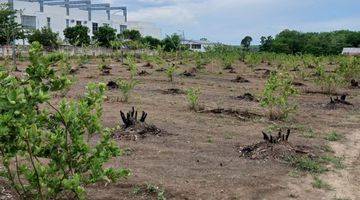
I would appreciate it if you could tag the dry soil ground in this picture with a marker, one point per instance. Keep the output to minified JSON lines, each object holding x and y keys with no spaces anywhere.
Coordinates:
{"x":199,"y":158}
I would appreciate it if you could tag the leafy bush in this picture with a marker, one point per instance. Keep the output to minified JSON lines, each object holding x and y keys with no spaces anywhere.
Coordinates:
{"x":278,"y":90}
{"x":134,"y":35}
{"x":77,"y":35}
{"x":103,"y":64}
{"x":126,"y":87}
{"x":193,"y":96}
{"x":50,"y":153}
{"x":349,"y":68}
{"x":328,"y":82}
{"x":151,"y":42}
{"x":82,"y":60}
{"x":105,"y":35}
{"x":170,"y":71}
{"x":172,"y":43}
{"x":252,"y":59}
{"x":45,"y":37}
{"x":132,"y":67}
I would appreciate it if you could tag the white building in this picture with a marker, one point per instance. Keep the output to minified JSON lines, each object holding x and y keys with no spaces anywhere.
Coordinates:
{"x":351,"y":51}
{"x":145,"y":28}
{"x":60,"y":14}
{"x":197,"y":45}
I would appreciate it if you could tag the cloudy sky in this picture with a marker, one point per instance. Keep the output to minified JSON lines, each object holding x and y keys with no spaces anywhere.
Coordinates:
{"x":229,"y":21}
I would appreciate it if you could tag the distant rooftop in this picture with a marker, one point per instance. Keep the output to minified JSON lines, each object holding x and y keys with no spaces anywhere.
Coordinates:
{"x":185,"y":41}
{"x":351,"y":51}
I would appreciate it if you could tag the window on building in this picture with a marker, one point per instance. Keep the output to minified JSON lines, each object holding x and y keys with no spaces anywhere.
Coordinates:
{"x":67,"y":23}
{"x":48,"y":22}
{"x":196,"y":46}
{"x":95,"y":27}
{"x":122,"y":28}
{"x":28,"y":22}
{"x":78,"y":23}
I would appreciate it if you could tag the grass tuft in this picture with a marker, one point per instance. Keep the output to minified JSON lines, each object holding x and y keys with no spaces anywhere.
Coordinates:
{"x":333,"y":136}
{"x":320,"y":184}
{"x":306,"y":164}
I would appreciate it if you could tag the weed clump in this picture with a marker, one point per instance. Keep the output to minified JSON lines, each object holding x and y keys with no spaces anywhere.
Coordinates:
{"x":193,"y":96}
{"x":276,"y":95}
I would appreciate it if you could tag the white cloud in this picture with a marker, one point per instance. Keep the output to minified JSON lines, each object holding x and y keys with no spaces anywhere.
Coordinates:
{"x":231,"y":20}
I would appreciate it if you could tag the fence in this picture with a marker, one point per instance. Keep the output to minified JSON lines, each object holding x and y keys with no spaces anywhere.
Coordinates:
{"x":23,"y":50}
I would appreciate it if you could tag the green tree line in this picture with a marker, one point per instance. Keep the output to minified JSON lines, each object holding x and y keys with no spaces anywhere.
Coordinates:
{"x":324,"y":43}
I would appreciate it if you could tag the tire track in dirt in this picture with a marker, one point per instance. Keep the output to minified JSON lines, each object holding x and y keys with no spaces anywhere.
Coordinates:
{"x":346,"y":182}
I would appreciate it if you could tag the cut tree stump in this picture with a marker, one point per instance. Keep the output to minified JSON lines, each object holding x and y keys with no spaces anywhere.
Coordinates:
{"x":134,"y":125}
{"x":275,"y":147}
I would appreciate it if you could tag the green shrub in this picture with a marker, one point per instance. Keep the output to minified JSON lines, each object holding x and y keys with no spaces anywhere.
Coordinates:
{"x":328,"y":82}
{"x":48,"y":152}
{"x":126,"y":87}
{"x":193,"y":96}
{"x":132,"y":67}
{"x":349,"y":68}
{"x":278,"y":90}
{"x":306,"y":164}
{"x":170,"y":71}
{"x":333,"y":136}
{"x":77,"y":35}
{"x":320,"y":184}
{"x":105,"y":35}
{"x":45,"y":37}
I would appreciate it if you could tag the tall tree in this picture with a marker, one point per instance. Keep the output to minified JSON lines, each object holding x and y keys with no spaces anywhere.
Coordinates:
{"x":77,"y":35}
{"x":134,"y":35}
{"x":105,"y":35}
{"x":324,"y":43}
{"x":265,"y":43}
{"x":246,"y":42}
{"x":45,"y":37}
{"x":172,"y":43}
{"x":9,"y":28}
{"x":151,"y":42}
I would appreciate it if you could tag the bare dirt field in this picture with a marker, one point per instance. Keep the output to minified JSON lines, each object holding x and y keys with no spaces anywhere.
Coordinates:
{"x":199,"y":155}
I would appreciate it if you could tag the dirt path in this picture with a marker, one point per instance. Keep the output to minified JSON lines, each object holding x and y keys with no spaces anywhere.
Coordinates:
{"x":346,"y":182}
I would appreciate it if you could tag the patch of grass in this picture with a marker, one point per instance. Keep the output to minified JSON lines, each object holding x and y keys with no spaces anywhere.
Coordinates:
{"x":320,"y":184}
{"x":306,"y":164}
{"x":153,"y":189}
{"x":294,"y":174}
{"x":210,"y":140}
{"x":150,"y":189}
{"x":333,"y":136}
{"x":335,"y":161}
{"x":327,"y":148}
{"x":193,"y":96}
{"x":137,"y":190}
{"x":306,"y":131}
{"x":309,"y":133}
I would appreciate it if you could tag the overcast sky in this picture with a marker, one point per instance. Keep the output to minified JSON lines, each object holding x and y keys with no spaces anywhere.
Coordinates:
{"x":229,"y":21}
